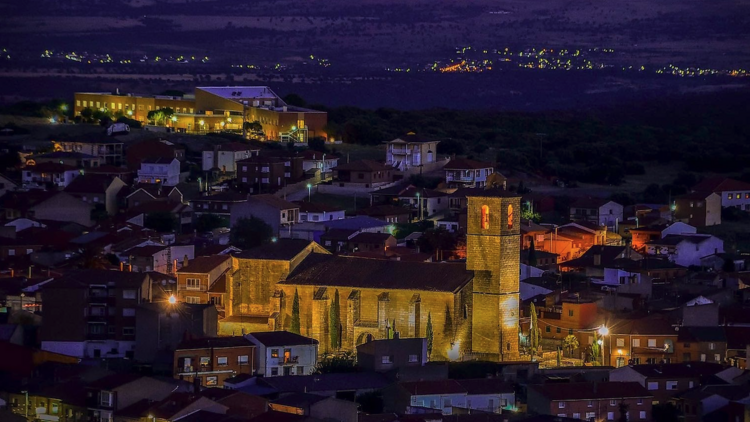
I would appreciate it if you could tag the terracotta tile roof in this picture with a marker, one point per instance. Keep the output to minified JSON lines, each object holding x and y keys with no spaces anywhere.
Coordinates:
{"x":466,"y":164}
{"x":654,"y":324}
{"x":282,"y":338}
{"x":339,"y":234}
{"x":215,"y":342}
{"x":84,"y":278}
{"x":204,"y":264}
{"x":330,"y":270}
{"x":720,"y":184}
{"x":313,"y":207}
{"x":363,"y":165}
{"x":89,"y":183}
{"x":409,"y":191}
{"x":695,"y":196}
{"x":273,"y":201}
{"x":591,"y":391}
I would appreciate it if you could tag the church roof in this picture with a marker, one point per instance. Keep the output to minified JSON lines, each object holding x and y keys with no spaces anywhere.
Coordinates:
{"x":345,"y":271}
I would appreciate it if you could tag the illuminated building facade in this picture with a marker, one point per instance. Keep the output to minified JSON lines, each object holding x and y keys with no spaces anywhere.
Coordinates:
{"x":213,"y":109}
{"x":472,"y":307}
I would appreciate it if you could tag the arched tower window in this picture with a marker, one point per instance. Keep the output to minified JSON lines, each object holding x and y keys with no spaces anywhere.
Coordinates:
{"x":510,"y":217}
{"x":485,"y":217}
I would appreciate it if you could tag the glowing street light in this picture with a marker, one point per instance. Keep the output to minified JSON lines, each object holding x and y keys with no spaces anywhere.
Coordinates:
{"x":603,"y":331}
{"x":309,"y":192}
{"x":130,"y":112}
{"x":172,"y":300}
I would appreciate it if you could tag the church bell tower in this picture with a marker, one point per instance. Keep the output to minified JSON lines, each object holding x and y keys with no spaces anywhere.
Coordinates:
{"x":493,"y":253}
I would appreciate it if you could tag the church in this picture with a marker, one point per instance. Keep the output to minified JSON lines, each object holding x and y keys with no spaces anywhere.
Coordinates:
{"x":472,"y":306}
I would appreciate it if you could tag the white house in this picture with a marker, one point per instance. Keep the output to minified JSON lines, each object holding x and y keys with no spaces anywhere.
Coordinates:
{"x":309,"y":211}
{"x":626,"y":281}
{"x":600,"y":211}
{"x":225,"y":156}
{"x":686,"y":249}
{"x":411,"y":151}
{"x":463,"y":172}
{"x":160,"y":170}
{"x":485,"y":394}
{"x":56,"y":174}
{"x":284,"y":353}
{"x":733,"y":193}
{"x":319,"y":160}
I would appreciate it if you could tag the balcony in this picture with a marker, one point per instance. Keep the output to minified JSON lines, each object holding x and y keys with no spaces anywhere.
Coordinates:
{"x":458,"y":178}
{"x":400,"y":151}
{"x":291,"y":360}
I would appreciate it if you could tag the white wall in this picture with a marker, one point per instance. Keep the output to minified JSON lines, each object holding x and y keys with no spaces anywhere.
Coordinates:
{"x":324,"y":216}
{"x":678,"y":228}
{"x":689,"y":253}
{"x":609,"y":213}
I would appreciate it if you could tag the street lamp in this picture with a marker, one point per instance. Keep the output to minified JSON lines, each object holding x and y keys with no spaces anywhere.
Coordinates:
{"x":602,"y":331}
{"x":172,"y":300}
{"x":419,"y":206}
{"x":309,"y":192}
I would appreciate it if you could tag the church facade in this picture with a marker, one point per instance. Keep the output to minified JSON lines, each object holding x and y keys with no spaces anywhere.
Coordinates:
{"x":472,"y":307}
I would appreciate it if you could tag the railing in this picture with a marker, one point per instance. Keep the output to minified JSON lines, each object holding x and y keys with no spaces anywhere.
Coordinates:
{"x":291,"y":360}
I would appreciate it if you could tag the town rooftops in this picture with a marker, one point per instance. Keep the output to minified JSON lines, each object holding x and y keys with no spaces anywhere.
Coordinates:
{"x":607,"y":256}
{"x":282,"y":338}
{"x":339,"y":234}
{"x":485,"y":193}
{"x":239,"y":93}
{"x":87,"y":277}
{"x":367,"y":237}
{"x":63,"y":155}
{"x":89,"y":183}
{"x":591,"y":390}
{"x":281,"y":250}
{"x":339,"y":271}
{"x":589,"y":203}
{"x":50,"y":167}
{"x":158,"y":160}
{"x":222,"y":197}
{"x":317,"y":208}
{"x":360,"y":222}
{"x":317,"y":155}
{"x":328,"y":382}
{"x":720,"y":184}
{"x":363,"y":165}
{"x":204,"y":264}
{"x":486,"y":386}
{"x":110,"y":382}
{"x":146,"y":251}
{"x":682,"y":370}
{"x":236,"y":147}
{"x":298,"y":400}
{"x":654,"y":324}
{"x":675,"y":239}
{"x":273,"y":201}
{"x":699,"y":334}
{"x":214,"y":342}
{"x":466,"y":164}
{"x":91,"y":138}
{"x":433,"y":387}
{"x":384,"y":211}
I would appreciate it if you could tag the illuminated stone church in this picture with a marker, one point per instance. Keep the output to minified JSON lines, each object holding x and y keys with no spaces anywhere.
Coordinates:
{"x":472,"y":306}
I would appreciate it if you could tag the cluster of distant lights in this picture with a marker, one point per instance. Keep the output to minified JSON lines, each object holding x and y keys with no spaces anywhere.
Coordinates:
{"x":92,"y":58}
{"x":551,"y":59}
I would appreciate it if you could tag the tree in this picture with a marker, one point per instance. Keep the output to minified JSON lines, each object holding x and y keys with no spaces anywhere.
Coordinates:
{"x":570,"y":343}
{"x":532,"y":255}
{"x":250,"y":232}
{"x":206,"y":222}
{"x":254,"y":127}
{"x":534,"y":332}
{"x":339,"y":363}
{"x":429,"y":334}
{"x":295,"y":326}
{"x":595,"y":350}
{"x":160,"y":117}
{"x":334,"y":322}
{"x":87,"y":113}
{"x":623,"y":408}
{"x":161,"y":221}
{"x":295,"y":100}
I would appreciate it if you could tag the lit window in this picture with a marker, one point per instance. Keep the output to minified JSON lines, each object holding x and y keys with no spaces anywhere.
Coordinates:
{"x":212,"y":381}
{"x":610,"y":416}
{"x":510,"y":217}
{"x":636,"y":342}
{"x":652,"y":342}
{"x":671,"y":385}
{"x":729,"y":196}
{"x":274,"y":353}
{"x":620,"y":342}
{"x":386,"y":359}
{"x":221,"y":361}
{"x":561,"y":405}
{"x":613,"y":402}
{"x":485,"y":223}
{"x":737,"y":196}
{"x":653,"y":386}
{"x":242,"y":360}
{"x":642,"y":414}
{"x":193,"y":283}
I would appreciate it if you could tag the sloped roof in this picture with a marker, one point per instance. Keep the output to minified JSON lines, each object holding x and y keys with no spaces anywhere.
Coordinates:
{"x":466,"y":164}
{"x":410,"y":191}
{"x":413,"y":137}
{"x":367,"y":237}
{"x":86,"y":277}
{"x":204,"y":264}
{"x":113,"y":381}
{"x":214,"y":342}
{"x":363,"y":165}
{"x":486,"y":386}
{"x":607,"y":254}
{"x":305,"y":206}
{"x":146,"y":251}
{"x":589,"y":203}
{"x":50,"y":167}
{"x":281,"y":250}
{"x":273,"y":201}
{"x":384,"y":210}
{"x":590,"y":390}
{"x":359,"y":222}
{"x":675,"y":370}
{"x":330,"y":270}
{"x":689,"y":334}
{"x":328,"y":382}
{"x":222,"y":197}
{"x":433,"y":387}
{"x":720,"y":184}
{"x":89,"y":183}
{"x":282,"y":338}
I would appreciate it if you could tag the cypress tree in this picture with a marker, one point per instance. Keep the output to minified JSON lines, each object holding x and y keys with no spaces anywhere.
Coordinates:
{"x":333,"y":322}
{"x":295,"y":326}
{"x":429,"y":334}
{"x":533,"y":332}
{"x":532,"y":253}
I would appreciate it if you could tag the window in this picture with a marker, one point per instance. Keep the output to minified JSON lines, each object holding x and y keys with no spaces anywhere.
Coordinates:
{"x":690,"y":384}
{"x":192,"y":299}
{"x":562,"y":415}
{"x":386,"y":359}
{"x":671,"y":385}
{"x":412,"y":358}
{"x":570,"y":312}
{"x":717,"y":357}
{"x":620,"y":342}
{"x":737,"y":196}
{"x":610,"y":416}
{"x":703,"y":357}
{"x":561,"y":405}
{"x":274,"y":371}
{"x":485,"y":222}
{"x":642,"y":414}
{"x":11,"y":252}
{"x":590,"y":415}
{"x":576,"y":416}
{"x":613,"y":402}
{"x":128,"y":331}
{"x":570,"y":332}
{"x":212,"y":381}
{"x":274,"y":353}
{"x":205,"y":361}
{"x":242,"y":360}
{"x":558,"y":330}
{"x":548,"y":329}
{"x":300,"y":370}
{"x":652,"y":342}
{"x":590,"y":403}
{"x":729,"y":196}
{"x":128,"y":294}
{"x":128,"y":312}
{"x":711,"y":346}
{"x":193,"y":284}
{"x":653,"y":386}
{"x":105,"y":398}
{"x":636,"y":342}
{"x":55,"y":408}
{"x":446,"y":403}
{"x":221,"y":360}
